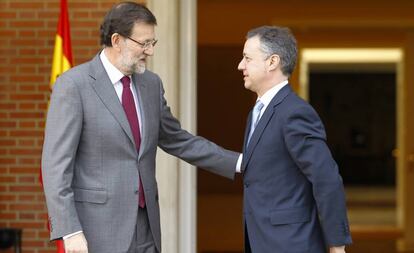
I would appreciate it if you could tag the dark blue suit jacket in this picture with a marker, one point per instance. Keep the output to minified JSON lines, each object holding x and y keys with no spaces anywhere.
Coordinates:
{"x":294,"y":199}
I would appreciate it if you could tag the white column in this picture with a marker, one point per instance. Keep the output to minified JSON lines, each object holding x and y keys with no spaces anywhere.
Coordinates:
{"x":188,"y":115}
{"x":175,"y":61}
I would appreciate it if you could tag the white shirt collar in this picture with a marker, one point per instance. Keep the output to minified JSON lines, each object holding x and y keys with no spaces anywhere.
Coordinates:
{"x":114,"y":74}
{"x":270,"y":94}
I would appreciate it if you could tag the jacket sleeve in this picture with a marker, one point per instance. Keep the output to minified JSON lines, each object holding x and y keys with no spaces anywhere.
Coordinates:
{"x":305,"y":139}
{"x":193,"y":149}
{"x":62,"y":134}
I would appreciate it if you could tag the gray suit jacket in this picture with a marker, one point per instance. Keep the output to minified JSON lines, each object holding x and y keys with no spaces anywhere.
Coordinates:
{"x":90,"y":164}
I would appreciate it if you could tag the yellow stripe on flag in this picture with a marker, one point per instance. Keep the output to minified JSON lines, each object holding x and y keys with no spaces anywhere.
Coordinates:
{"x":60,"y":63}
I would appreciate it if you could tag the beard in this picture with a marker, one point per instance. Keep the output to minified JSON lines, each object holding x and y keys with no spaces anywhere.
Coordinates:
{"x":131,"y":65}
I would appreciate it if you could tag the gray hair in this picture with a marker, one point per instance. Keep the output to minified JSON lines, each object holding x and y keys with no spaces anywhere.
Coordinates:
{"x":279,"y":41}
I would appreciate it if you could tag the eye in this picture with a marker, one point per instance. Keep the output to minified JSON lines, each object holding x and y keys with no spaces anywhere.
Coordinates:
{"x":247,"y":59}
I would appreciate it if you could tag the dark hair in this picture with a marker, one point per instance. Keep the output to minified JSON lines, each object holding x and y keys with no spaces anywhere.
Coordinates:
{"x":280,"y":41}
{"x":121,"y":19}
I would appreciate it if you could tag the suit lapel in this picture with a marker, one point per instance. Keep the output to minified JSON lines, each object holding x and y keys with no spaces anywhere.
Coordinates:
{"x":106,"y":92}
{"x":261,"y":126}
{"x":247,"y":130}
{"x":140,"y":84}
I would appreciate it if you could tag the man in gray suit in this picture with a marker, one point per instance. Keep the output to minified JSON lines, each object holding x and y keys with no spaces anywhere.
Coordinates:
{"x":105,"y":121}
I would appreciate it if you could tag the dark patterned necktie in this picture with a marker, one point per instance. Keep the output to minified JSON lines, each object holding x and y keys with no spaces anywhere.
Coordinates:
{"x":131,"y":112}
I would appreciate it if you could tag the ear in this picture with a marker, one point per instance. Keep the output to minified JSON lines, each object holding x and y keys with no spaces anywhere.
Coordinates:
{"x":116,"y":40}
{"x":273,"y":61}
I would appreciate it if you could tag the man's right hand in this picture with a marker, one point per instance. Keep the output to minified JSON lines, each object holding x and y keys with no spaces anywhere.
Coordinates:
{"x":76,"y":244}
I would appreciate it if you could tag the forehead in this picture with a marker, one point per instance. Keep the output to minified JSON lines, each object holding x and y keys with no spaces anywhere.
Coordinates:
{"x":142,"y":30}
{"x":252,"y":46}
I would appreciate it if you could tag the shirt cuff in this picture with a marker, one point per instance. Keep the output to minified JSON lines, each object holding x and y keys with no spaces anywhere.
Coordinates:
{"x":70,"y":235}
{"x":238,"y":165}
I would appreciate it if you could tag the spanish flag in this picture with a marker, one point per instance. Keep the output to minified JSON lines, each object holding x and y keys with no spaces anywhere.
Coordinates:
{"x":62,"y":55}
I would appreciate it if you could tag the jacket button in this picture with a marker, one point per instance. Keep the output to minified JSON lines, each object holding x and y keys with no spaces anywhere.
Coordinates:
{"x":246,"y":185}
{"x":136,"y":191}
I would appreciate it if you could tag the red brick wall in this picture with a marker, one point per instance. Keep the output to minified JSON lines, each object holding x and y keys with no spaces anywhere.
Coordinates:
{"x":27,"y":32}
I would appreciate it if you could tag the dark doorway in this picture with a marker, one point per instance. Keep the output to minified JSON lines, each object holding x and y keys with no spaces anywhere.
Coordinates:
{"x":358,"y":109}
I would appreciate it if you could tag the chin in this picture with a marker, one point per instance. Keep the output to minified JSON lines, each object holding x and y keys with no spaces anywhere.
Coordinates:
{"x":247,"y":85}
{"x":141,"y":69}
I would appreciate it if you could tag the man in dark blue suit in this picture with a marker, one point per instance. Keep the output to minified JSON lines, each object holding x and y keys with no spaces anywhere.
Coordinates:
{"x":294,"y":199}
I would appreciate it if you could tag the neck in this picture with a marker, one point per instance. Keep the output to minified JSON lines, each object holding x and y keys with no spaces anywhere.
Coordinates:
{"x":270,"y":84}
{"x":114,"y":59}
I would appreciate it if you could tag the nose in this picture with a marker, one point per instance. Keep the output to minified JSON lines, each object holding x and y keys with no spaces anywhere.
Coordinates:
{"x":241,"y":65}
{"x":150,"y":50}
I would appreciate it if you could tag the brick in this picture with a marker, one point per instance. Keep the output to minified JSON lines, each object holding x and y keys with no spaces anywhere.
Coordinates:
{"x":29,"y":142}
{"x":26,"y":124}
{"x":23,"y":115}
{"x":8,"y":124}
{"x":27,"y":161}
{"x":28,"y":78}
{"x":53,"y":5}
{"x":7,"y":106}
{"x":27,"y":197}
{"x":26,"y":60}
{"x":7,"y":160}
{"x":27,"y":5}
{"x":31,"y":96}
{"x":47,"y":251}
{"x":7,"y":179}
{"x":27,"y":106}
{"x":7,"y":216}
{"x":7,"y":33}
{"x":8,"y":69}
{"x":4,"y":207}
{"x":18,"y":152}
{"x":85,"y":24}
{"x":8,"y":51}
{"x":80,"y":33}
{"x":27,"y":33}
{"x":8,"y":88}
{"x":81,"y":14}
{"x":28,"y":233}
{"x":98,"y":15}
{"x":7,"y":197}
{"x":41,"y":124}
{"x":42,"y":216}
{"x":25,"y":188}
{"x":26,"y":216}
{"x":48,"y":14}
{"x":27,"y":24}
{"x":30,"y":243}
{"x":28,"y":179}
{"x":51,"y":33}
{"x":24,"y":133}
{"x":7,"y":14}
{"x":27,"y":15}
{"x":7,"y":142}
{"x":24,"y":170}
{"x":26,"y":69}
{"x":44,"y":234}
{"x":27,"y":88}
{"x":83,"y":5}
